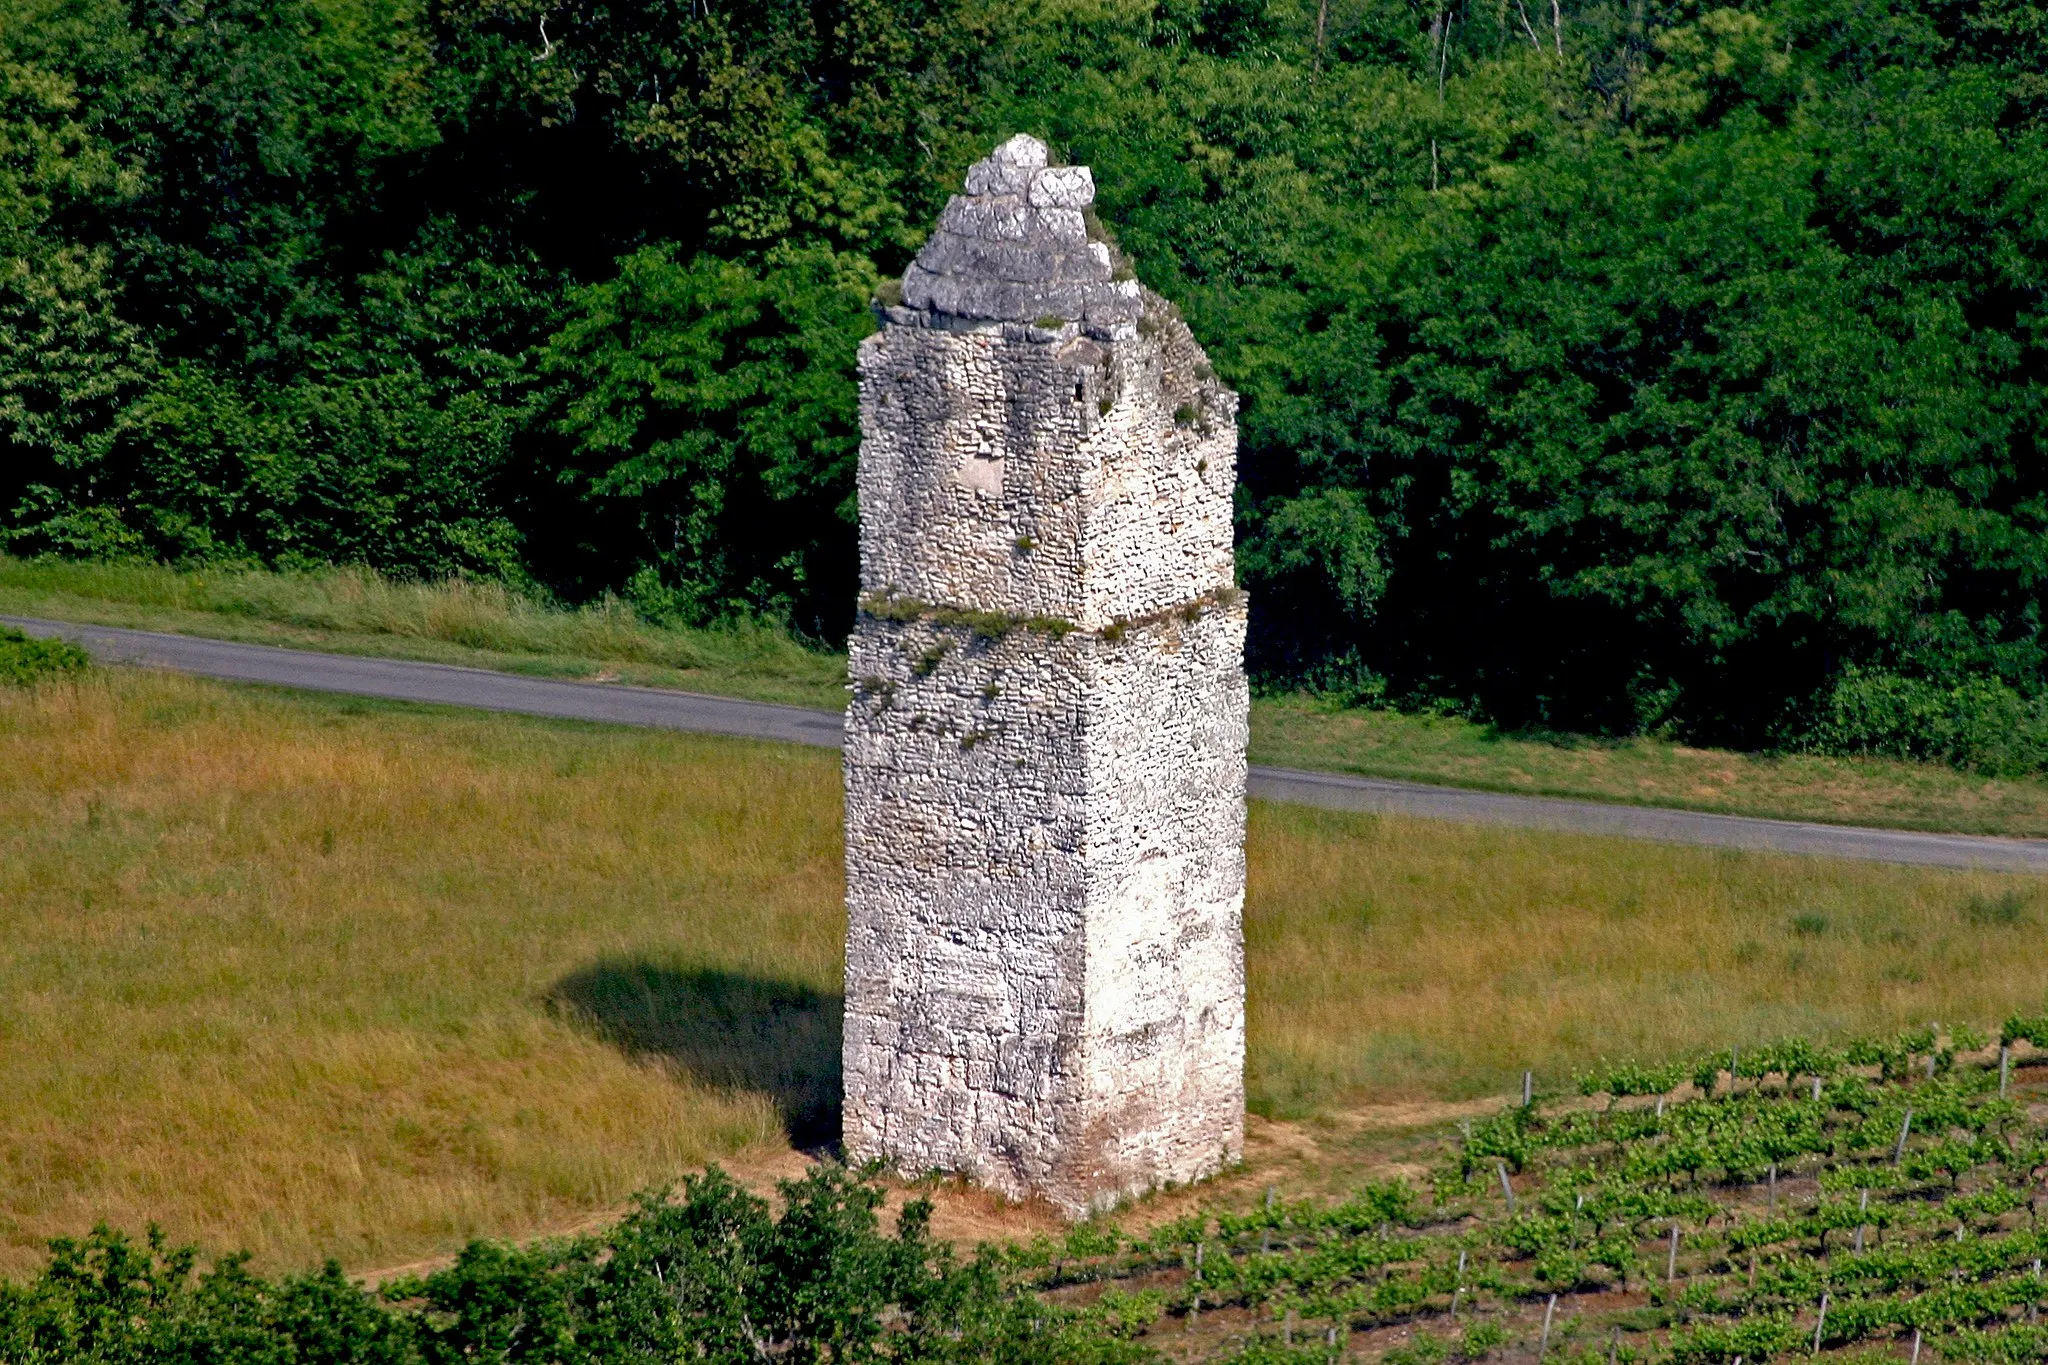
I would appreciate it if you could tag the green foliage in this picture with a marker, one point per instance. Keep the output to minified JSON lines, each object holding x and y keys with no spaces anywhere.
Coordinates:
{"x":710,"y":399}
{"x":2033,"y":1029}
{"x":1480,"y":1340}
{"x":1676,"y":367}
{"x":1980,"y":723}
{"x":710,"y":1274}
{"x":1633,"y":1078}
{"x":1600,"y":1192}
{"x":24,"y":661}
{"x":1939,"y":1238}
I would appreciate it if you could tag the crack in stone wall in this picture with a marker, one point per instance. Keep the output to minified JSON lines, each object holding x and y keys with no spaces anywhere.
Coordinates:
{"x":1045,"y":871}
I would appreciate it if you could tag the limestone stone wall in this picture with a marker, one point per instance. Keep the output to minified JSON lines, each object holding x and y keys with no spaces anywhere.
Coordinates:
{"x":1045,"y":745}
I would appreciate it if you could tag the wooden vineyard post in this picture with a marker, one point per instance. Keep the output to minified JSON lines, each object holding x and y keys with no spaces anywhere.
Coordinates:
{"x":1543,"y":1345}
{"x":1506,"y":1188}
{"x":1905,"y":1128}
{"x":1671,"y":1263}
{"x":2004,"y":1068}
{"x":1820,"y":1323}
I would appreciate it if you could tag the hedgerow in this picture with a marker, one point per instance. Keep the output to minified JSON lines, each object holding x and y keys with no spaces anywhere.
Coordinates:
{"x":708,"y":1273}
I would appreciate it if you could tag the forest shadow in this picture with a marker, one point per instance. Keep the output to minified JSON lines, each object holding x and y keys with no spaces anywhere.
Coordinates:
{"x":728,"y":1029}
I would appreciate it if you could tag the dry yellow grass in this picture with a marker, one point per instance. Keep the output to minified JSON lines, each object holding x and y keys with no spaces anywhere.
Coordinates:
{"x":1401,"y":959}
{"x":284,"y":976}
{"x":316,"y":976}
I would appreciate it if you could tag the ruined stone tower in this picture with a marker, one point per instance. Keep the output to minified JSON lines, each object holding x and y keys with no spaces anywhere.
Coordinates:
{"x":1045,"y":747}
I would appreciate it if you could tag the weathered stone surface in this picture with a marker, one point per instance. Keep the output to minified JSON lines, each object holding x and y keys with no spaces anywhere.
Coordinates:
{"x":1063,"y":187}
{"x":1015,"y":248}
{"x":1046,"y":743}
{"x":1009,"y":168}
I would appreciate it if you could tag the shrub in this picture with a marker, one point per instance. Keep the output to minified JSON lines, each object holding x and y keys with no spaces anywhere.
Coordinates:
{"x":710,"y":1274}
{"x":25,"y":660}
{"x":1981,"y":724}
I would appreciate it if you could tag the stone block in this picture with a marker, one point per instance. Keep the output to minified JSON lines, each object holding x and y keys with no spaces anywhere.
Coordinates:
{"x":1063,"y":187}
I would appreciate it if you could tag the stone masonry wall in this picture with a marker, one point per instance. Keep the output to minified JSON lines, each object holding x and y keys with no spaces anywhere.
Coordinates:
{"x":1045,"y":745}
{"x":1046,"y":471}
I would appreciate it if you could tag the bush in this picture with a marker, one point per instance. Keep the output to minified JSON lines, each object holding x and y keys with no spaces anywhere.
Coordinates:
{"x":24,"y":661}
{"x":711,"y":1275}
{"x":1981,"y":724}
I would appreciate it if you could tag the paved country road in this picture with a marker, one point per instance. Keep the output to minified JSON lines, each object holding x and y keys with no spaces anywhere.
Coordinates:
{"x":402,"y":680}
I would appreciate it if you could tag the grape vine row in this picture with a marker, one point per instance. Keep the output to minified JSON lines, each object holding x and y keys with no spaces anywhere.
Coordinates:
{"x":1897,"y":1181}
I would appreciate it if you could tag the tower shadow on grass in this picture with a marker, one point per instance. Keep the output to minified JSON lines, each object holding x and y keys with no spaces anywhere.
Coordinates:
{"x":727,"y":1029}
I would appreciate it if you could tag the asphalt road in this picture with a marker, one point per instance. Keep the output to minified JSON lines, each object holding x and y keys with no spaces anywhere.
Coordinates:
{"x":402,"y":680}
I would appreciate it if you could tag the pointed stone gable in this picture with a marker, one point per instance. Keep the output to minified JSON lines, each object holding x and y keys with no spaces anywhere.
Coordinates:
{"x":1015,"y":248}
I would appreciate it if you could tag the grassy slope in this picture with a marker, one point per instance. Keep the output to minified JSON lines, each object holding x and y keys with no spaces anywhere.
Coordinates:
{"x":479,"y":624}
{"x":485,"y":626}
{"x":1301,"y":732}
{"x":317,"y":975}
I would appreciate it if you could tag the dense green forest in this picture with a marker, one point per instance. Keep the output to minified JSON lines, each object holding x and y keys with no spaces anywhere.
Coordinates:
{"x":1611,"y":364}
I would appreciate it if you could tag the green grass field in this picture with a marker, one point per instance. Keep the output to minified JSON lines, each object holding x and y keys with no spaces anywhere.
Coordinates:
{"x":486,"y":626}
{"x":319,"y":976}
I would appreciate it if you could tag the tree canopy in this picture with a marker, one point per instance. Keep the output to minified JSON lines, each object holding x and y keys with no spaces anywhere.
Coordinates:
{"x":1613,"y":364}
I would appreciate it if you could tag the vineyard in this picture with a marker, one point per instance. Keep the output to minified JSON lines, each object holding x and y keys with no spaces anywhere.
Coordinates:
{"x":1784,"y":1201}
{"x":1874,"y":1201}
